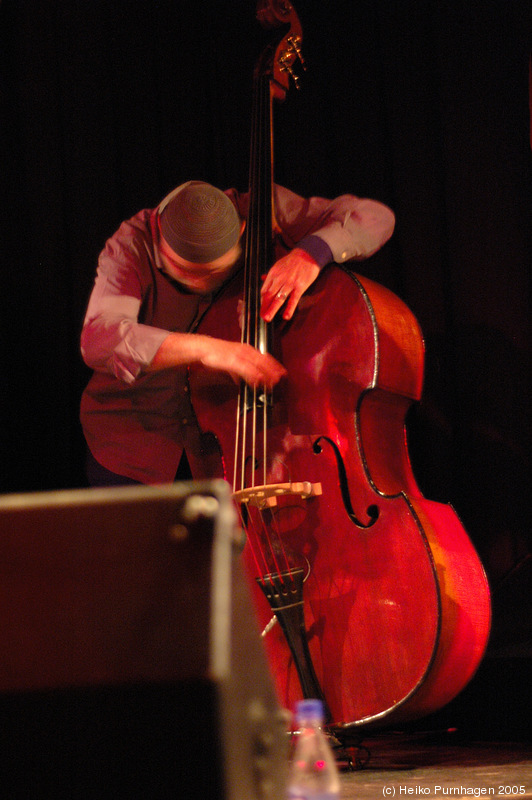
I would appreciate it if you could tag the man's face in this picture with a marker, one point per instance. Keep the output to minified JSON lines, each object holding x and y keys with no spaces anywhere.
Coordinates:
{"x":199,"y":278}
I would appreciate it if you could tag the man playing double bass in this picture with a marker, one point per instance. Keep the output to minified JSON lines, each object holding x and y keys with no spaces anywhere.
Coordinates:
{"x":156,"y":277}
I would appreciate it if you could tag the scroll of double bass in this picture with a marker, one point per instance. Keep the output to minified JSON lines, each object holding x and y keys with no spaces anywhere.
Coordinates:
{"x":371,"y":596}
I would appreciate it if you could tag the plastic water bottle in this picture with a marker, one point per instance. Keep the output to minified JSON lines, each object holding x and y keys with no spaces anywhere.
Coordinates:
{"x":313,"y":773}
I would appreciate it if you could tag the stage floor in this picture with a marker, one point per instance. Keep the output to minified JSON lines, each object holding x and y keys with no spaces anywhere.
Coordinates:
{"x":438,"y":766}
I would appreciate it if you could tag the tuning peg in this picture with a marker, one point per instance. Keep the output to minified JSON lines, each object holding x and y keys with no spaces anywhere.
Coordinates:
{"x":295,"y":41}
{"x":289,"y":55}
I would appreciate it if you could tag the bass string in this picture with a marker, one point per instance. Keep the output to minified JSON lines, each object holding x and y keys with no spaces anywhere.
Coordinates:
{"x":250,"y":317}
{"x":245,"y":314}
{"x":253,"y":406}
{"x":267,"y":547}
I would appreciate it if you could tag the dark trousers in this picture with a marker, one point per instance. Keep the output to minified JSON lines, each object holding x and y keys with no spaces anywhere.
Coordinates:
{"x":100,"y":476}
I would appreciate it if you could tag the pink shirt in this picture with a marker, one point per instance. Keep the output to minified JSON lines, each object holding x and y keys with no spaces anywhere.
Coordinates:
{"x":137,"y":423}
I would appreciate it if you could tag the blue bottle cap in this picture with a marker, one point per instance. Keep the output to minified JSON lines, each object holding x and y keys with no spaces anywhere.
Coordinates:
{"x":309,"y":709}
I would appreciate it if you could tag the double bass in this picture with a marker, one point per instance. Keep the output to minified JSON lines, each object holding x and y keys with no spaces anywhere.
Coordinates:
{"x":370,"y":596}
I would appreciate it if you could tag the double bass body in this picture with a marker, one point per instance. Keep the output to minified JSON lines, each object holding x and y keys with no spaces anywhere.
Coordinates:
{"x":395,"y":608}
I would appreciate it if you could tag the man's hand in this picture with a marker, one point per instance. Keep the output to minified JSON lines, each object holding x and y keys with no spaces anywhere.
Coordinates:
{"x":285,"y":282}
{"x":241,"y":361}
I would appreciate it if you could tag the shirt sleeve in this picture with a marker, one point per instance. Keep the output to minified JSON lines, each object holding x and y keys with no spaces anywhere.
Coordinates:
{"x":353,"y":228}
{"x":112,"y":339}
{"x":317,"y":248}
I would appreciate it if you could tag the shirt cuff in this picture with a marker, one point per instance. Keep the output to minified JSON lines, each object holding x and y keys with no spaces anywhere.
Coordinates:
{"x":317,"y":248}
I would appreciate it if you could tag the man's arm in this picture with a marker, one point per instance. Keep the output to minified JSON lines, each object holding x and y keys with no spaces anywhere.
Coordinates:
{"x":241,"y":361}
{"x":113,"y":340}
{"x":319,"y":231}
{"x":349,"y":229}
